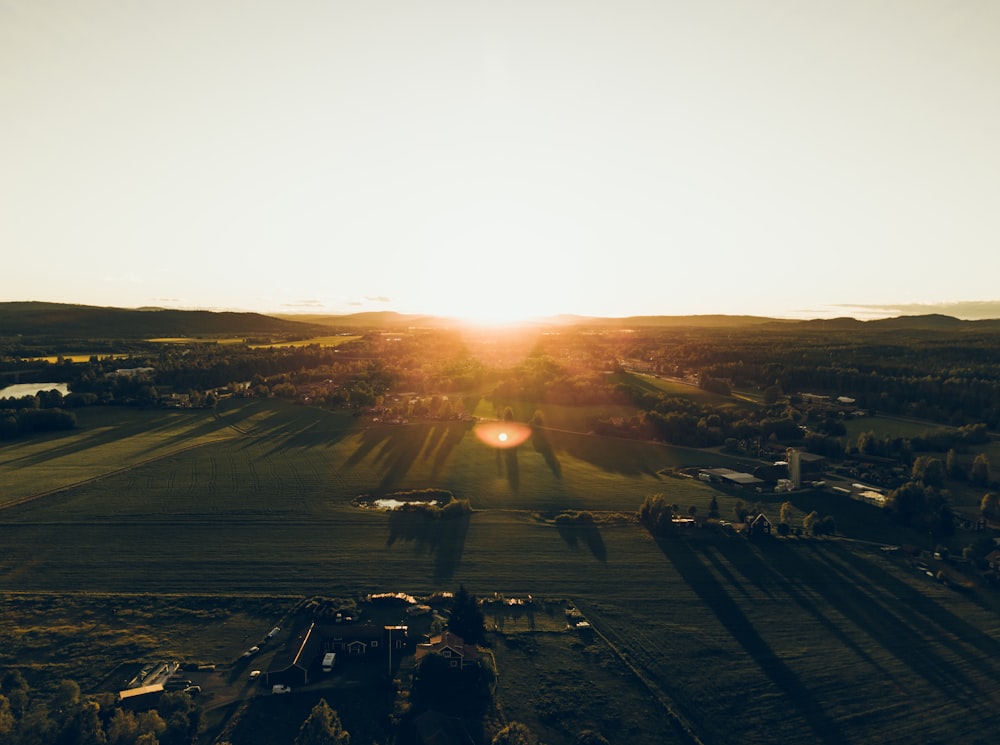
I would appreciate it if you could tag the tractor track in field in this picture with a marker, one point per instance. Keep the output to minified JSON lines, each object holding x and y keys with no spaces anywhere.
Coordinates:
{"x":682,"y":723}
{"x":115,"y":472}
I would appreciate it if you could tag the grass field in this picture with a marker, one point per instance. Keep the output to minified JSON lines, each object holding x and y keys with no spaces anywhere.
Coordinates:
{"x":198,"y":340}
{"x":886,"y":426}
{"x":228,"y":517}
{"x":672,"y":387}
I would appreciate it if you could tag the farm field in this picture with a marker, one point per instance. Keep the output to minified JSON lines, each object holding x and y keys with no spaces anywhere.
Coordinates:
{"x":672,"y":387}
{"x":779,"y":640}
{"x":107,"y":440}
{"x":322,"y":341}
{"x":888,"y":426}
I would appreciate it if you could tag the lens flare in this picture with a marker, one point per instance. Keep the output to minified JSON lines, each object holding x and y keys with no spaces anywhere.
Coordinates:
{"x":502,"y":434}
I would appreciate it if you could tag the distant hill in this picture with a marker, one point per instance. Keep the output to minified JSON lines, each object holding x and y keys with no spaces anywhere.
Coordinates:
{"x":391,"y":319}
{"x":59,"y":320}
{"x":927,"y":322}
{"x":695,"y":321}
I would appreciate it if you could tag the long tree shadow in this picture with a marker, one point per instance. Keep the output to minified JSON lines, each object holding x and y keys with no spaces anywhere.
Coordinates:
{"x":758,"y":562}
{"x":453,"y":434}
{"x":579,"y":529}
{"x":441,"y":537}
{"x":540,"y":440}
{"x":964,"y":639}
{"x":393,"y":449}
{"x":868,"y":607}
{"x":684,"y":556}
{"x":509,"y":468}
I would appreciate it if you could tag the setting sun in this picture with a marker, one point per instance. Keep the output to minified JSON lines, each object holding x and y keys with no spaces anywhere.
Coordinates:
{"x":500,"y":262}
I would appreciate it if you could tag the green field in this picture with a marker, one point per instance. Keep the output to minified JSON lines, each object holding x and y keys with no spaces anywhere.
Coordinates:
{"x":227,"y":517}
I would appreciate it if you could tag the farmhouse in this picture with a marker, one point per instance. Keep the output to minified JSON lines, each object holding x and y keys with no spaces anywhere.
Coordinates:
{"x":354,"y":641}
{"x":969,"y":520}
{"x":450,"y":646}
{"x":758,"y":525}
{"x":303,"y":658}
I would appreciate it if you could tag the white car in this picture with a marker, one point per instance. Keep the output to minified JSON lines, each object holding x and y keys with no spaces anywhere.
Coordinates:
{"x":252,"y":651}
{"x":281,"y":689}
{"x":254,"y":674}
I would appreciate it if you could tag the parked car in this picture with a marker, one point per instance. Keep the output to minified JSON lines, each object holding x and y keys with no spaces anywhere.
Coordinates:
{"x":252,"y":651}
{"x":254,"y":674}
{"x":193,"y":690}
{"x":281,"y":689}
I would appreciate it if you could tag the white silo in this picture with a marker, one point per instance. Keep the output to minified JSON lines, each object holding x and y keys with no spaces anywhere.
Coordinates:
{"x":795,"y":468}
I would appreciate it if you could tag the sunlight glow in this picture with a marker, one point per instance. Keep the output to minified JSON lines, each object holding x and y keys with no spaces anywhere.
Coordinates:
{"x":502,"y":434}
{"x":499,"y":262}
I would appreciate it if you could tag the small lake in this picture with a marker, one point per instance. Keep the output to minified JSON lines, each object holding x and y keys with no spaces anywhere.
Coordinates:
{"x":30,"y":389}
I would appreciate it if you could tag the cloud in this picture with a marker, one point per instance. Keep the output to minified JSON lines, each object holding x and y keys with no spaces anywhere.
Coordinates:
{"x":304,"y":304}
{"x":378,"y":299}
{"x":969,"y":310}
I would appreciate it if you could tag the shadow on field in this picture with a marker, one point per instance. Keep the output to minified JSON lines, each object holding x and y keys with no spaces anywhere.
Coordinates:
{"x":612,"y":454}
{"x":442,"y":537}
{"x":686,"y":558}
{"x":448,"y":435}
{"x":871,"y":606}
{"x":507,"y":465}
{"x":923,"y":616}
{"x":575,"y":532}
{"x":395,"y":448}
{"x":540,"y":439}
{"x":770,"y":564}
{"x":877,"y":615}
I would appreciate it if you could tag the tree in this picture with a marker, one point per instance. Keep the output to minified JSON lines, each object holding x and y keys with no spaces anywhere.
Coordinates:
{"x":785,"y":513}
{"x":929,"y":471}
{"x":466,"y":618}
{"x":740,"y":511}
{"x":809,"y":521}
{"x":952,"y":466}
{"x":6,"y":717}
{"x":322,"y":727}
{"x":123,"y":729}
{"x":981,"y":470}
{"x":713,"y":508}
{"x":15,"y":688}
{"x":656,"y":515}
{"x":514,"y":733}
{"x":67,"y":695}
{"x":990,"y":505}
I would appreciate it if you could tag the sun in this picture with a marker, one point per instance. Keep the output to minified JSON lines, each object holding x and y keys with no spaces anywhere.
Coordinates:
{"x":499,"y":263}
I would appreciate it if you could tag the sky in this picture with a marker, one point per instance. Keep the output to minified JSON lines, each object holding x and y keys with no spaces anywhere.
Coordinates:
{"x":499,"y":160}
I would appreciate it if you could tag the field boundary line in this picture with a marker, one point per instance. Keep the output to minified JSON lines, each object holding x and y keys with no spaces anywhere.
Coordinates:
{"x":124,"y":469}
{"x":661,"y":697}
